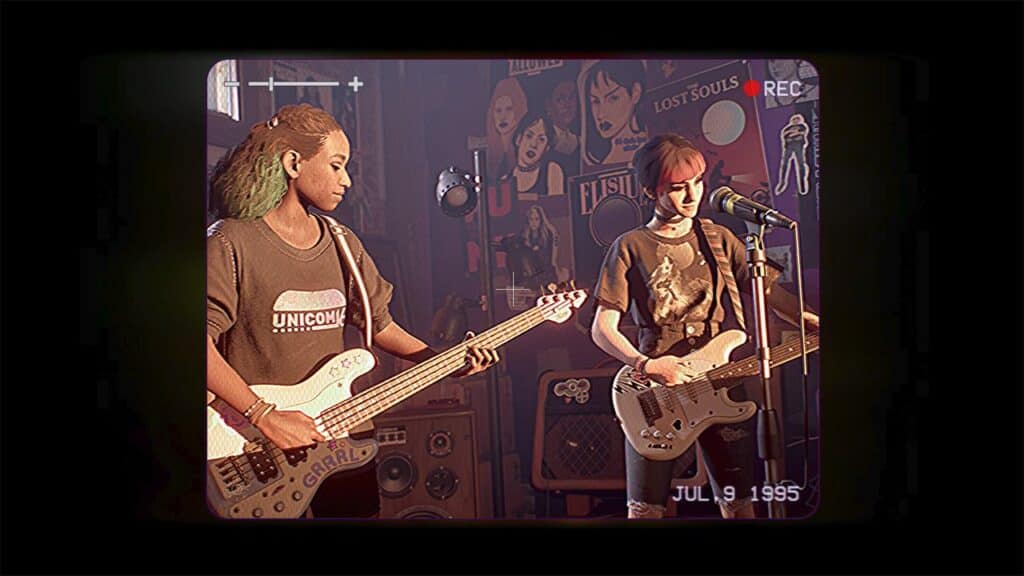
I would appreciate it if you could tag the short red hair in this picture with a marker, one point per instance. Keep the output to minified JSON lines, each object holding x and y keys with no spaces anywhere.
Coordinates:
{"x":661,"y":156}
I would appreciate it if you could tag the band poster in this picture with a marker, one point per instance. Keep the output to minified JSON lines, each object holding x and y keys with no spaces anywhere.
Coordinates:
{"x":569,"y":174}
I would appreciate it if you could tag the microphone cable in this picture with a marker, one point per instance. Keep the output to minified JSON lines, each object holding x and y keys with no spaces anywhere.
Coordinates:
{"x":803,"y":353}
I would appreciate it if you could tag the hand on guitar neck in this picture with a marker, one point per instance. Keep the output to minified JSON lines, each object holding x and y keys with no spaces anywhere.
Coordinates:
{"x":672,"y":370}
{"x":478,"y":359}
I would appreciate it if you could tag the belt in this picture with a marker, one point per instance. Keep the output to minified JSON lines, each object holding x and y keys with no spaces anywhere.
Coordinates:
{"x":654,"y":344}
{"x":693,"y":329}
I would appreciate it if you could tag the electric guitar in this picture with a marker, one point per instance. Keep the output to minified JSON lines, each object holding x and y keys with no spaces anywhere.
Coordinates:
{"x":662,"y":422}
{"x":248,"y":476}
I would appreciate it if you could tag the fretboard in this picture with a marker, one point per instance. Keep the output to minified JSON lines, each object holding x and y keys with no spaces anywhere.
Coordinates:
{"x":790,"y":350}
{"x":355,"y":410}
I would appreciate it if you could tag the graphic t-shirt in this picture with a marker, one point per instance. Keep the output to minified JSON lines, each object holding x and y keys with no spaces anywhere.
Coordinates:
{"x":276,"y":312}
{"x":671,"y":286}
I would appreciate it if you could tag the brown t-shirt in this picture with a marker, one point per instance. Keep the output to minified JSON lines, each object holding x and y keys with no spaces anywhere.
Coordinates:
{"x":671,"y":286}
{"x":276,"y":312}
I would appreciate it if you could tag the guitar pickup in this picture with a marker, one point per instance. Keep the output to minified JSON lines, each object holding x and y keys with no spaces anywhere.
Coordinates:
{"x":263,"y":464}
{"x":649,"y":405}
{"x":295,"y":456}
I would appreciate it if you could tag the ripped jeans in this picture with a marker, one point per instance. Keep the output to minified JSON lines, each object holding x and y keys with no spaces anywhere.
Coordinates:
{"x":730,"y":454}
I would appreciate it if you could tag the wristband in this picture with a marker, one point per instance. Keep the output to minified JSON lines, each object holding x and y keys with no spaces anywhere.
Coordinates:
{"x":252,"y":408}
{"x":267,"y":409}
{"x":641,"y":366}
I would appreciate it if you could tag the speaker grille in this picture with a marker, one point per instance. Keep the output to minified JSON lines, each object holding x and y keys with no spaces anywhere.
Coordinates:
{"x":396,"y":475}
{"x":584,"y":447}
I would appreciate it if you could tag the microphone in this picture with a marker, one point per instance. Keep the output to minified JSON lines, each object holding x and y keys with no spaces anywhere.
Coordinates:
{"x":725,"y":199}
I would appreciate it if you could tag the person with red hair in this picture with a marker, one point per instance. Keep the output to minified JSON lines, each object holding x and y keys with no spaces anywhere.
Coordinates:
{"x":674,"y":275}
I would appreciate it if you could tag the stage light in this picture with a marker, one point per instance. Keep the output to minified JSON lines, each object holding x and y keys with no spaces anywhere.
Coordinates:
{"x":456,"y":192}
{"x":457,"y":196}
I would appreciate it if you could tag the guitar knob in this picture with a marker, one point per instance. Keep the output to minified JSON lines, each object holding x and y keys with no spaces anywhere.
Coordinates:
{"x":657,"y":433}
{"x":296,"y":495}
{"x":257,"y":512}
{"x":279,"y":506}
{"x":669,"y":436}
{"x":644,"y":433}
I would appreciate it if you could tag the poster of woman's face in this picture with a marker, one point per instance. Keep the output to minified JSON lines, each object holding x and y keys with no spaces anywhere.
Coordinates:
{"x":536,"y":256}
{"x":535,"y":174}
{"x":541,"y":236}
{"x":507,"y":107}
{"x":533,"y":142}
{"x":610,"y":91}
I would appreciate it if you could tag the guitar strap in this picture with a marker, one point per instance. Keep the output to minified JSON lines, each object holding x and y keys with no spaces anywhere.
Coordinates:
{"x":714,"y":240}
{"x":345,"y":255}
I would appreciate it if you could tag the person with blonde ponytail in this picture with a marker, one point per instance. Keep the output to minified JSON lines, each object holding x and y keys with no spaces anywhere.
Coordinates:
{"x":278,"y":296}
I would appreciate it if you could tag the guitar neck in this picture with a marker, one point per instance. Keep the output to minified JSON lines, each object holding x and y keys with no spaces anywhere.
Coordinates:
{"x":725,"y":375}
{"x":360,"y":408}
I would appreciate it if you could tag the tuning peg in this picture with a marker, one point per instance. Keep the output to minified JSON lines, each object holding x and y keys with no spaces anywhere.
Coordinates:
{"x":553,"y":287}
{"x":572,"y":284}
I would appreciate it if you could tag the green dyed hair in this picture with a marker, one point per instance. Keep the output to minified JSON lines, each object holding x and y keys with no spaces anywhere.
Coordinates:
{"x":250,"y":180}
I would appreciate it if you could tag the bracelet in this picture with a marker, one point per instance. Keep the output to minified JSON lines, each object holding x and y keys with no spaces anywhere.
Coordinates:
{"x":252,"y":408}
{"x":641,"y":366}
{"x":267,"y":409}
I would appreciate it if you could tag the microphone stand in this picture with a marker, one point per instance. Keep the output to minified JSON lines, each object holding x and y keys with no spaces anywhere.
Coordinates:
{"x":494,"y":391}
{"x":768,"y":437}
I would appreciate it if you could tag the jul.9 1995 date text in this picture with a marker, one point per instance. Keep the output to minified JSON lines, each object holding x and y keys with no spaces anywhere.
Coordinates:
{"x":764,"y":493}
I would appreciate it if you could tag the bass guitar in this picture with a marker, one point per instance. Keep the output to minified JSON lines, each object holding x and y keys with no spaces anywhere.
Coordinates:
{"x":248,"y":476}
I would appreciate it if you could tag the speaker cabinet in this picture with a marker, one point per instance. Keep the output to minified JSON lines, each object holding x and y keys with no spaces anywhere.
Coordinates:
{"x":426,"y":466}
{"x":578,"y":443}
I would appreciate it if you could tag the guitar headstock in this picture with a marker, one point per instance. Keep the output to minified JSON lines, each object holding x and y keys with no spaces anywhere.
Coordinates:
{"x":559,"y":300}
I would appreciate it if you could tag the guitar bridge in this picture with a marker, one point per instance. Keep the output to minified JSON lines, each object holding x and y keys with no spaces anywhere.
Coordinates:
{"x":231,"y":476}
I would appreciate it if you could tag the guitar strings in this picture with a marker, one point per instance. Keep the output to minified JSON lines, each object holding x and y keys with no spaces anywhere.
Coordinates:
{"x":447,"y":362}
{"x":350,"y":412}
{"x":387,"y":391}
{"x":343,"y":414}
{"x":704,"y":385}
{"x":454,"y":361}
{"x":705,"y":382}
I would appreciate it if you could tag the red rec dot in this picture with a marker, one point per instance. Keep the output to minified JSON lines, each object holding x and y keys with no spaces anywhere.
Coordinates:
{"x":752,"y":88}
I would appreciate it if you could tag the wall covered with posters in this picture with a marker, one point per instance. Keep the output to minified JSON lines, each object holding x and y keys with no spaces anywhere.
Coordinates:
{"x":560,"y":137}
